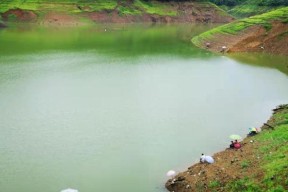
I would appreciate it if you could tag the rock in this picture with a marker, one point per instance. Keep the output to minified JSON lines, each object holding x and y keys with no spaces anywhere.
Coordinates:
{"x":180,"y":178}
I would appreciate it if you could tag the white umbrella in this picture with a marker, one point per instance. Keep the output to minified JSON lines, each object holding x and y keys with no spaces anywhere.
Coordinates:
{"x":69,"y":190}
{"x":171,"y":173}
{"x":208,"y":159}
{"x":235,"y":137}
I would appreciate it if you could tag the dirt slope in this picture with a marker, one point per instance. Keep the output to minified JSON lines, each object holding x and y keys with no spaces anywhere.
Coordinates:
{"x":254,"y":39}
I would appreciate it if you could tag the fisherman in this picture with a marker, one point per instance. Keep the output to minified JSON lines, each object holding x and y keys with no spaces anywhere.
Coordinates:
{"x":206,"y":159}
{"x":252,"y":131}
{"x":237,"y":145}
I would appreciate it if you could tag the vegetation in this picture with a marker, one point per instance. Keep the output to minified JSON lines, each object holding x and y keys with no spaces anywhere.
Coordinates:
{"x":274,"y":155}
{"x":255,"y":7}
{"x":77,"y":6}
{"x":237,"y":26}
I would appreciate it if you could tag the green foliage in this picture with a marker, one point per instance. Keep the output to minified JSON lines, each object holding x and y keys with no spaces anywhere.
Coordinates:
{"x":245,"y":164}
{"x":155,"y":8}
{"x":131,"y":7}
{"x":128,"y":11}
{"x":254,"y":7}
{"x":245,"y":185}
{"x":214,"y":184}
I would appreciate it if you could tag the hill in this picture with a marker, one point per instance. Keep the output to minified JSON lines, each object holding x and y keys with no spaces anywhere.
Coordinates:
{"x":267,"y":32}
{"x":111,"y":11}
{"x":247,"y":8}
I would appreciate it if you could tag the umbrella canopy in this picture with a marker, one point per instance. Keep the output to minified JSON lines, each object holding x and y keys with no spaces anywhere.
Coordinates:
{"x":171,"y":173}
{"x":209,"y":159}
{"x":235,"y":137}
{"x":69,"y":190}
{"x":252,"y":129}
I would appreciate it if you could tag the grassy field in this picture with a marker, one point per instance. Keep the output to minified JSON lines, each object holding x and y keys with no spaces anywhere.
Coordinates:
{"x":237,"y":26}
{"x":249,"y":8}
{"x":274,"y":155}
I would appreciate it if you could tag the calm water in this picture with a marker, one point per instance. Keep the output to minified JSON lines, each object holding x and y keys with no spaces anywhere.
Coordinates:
{"x":114,"y":110}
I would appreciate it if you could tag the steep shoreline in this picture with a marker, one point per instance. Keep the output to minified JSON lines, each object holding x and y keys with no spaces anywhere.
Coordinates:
{"x":253,"y":39}
{"x":263,"y":33}
{"x":244,"y":169}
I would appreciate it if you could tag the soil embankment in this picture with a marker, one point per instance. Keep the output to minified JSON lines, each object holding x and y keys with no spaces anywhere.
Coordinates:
{"x":185,"y":12}
{"x":242,"y":169}
{"x":254,"y":39}
{"x":123,"y":12}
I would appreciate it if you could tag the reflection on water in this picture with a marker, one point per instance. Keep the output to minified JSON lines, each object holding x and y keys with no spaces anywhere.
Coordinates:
{"x":129,"y":40}
{"x":263,"y":60}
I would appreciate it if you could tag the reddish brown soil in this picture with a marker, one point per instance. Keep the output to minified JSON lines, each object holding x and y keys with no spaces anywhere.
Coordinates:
{"x":20,"y":15}
{"x":228,"y":166}
{"x":255,"y":39}
{"x":60,"y":19}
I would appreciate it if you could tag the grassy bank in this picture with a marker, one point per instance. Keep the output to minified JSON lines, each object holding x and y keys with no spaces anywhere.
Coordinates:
{"x":274,"y":157}
{"x":238,"y":26}
{"x":260,"y":164}
{"x":247,"y":8}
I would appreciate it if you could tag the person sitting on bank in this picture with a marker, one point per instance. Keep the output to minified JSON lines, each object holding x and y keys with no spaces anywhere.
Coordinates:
{"x":206,"y":159}
{"x":252,"y":131}
{"x":232,"y":145}
{"x":237,"y":145}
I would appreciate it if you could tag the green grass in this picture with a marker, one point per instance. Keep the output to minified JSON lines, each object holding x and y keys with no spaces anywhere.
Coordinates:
{"x":245,"y":164}
{"x":249,"y":8}
{"x":237,"y":26}
{"x":214,"y":184}
{"x":62,"y":5}
{"x":274,"y":153}
{"x":123,"y":10}
{"x":155,"y":8}
{"x":78,"y":6}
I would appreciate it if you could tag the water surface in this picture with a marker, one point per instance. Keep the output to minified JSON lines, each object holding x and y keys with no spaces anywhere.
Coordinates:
{"x":114,"y":110}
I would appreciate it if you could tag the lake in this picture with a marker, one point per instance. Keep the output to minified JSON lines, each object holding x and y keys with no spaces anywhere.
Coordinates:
{"x":112,"y":108}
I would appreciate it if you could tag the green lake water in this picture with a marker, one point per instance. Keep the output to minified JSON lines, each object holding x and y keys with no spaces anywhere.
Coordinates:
{"x":112,"y":108}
